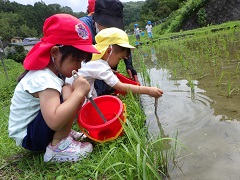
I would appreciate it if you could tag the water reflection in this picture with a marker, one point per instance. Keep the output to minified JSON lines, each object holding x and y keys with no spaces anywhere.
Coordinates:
{"x":177,"y":106}
{"x":213,"y":146}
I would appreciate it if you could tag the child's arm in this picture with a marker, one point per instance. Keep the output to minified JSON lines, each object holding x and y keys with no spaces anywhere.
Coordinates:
{"x":57,"y":115}
{"x":151,"y":91}
{"x":66,"y":91}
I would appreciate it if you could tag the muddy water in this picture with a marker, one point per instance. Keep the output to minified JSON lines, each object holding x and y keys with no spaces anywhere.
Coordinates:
{"x":211,"y":137}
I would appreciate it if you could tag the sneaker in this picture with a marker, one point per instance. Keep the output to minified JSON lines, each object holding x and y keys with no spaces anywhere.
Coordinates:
{"x":67,"y":150}
{"x":77,"y":135}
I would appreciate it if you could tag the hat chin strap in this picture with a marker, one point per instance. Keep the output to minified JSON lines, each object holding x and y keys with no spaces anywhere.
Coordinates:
{"x":110,"y":53}
{"x":59,"y":74}
{"x":96,"y":26}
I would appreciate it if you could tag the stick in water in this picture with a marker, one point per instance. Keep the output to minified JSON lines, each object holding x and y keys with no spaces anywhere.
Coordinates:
{"x":156,"y":105}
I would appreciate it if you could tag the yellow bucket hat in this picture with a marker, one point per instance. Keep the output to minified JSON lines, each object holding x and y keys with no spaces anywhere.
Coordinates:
{"x":110,"y":36}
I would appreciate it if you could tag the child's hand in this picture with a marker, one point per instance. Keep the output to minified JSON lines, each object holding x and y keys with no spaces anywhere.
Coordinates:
{"x":135,"y":78}
{"x":115,"y":71}
{"x":155,"y":92}
{"x":81,"y":85}
{"x":130,"y":73}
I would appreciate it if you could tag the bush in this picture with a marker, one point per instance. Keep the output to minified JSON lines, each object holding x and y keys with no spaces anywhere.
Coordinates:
{"x":202,"y":17}
{"x":19,"y":54}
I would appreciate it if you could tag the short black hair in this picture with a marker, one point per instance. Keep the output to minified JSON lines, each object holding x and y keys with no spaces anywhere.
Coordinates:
{"x":75,"y":53}
{"x":118,"y":48}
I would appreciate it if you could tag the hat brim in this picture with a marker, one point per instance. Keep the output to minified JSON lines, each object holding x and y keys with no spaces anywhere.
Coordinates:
{"x":127,"y":46}
{"x":108,"y":21}
{"x":101,"y":49}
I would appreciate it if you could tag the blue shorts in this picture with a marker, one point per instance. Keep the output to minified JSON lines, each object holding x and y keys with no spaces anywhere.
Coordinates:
{"x":102,"y":88}
{"x":39,"y":135}
{"x":150,"y":35}
{"x":138,"y":37}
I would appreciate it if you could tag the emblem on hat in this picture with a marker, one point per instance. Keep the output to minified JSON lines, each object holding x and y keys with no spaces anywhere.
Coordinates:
{"x":82,"y":31}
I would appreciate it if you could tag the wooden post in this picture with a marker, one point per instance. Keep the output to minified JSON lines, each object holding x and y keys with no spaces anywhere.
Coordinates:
{"x":1,"y":56}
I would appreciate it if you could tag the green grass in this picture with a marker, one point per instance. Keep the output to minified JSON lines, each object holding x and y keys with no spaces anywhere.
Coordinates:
{"x":131,"y":156}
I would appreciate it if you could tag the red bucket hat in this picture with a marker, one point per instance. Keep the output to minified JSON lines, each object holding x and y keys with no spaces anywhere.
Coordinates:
{"x":91,"y":5}
{"x":62,"y":29}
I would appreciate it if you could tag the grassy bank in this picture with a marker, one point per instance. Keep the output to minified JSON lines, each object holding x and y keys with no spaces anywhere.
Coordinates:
{"x":159,"y":37}
{"x":132,"y":156}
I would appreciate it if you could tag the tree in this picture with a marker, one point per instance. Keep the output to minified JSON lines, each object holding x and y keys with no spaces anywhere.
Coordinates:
{"x":55,"y":8}
{"x":155,"y":10}
{"x":131,"y":13}
{"x":67,"y":10}
{"x":25,"y":31}
{"x":8,"y":25}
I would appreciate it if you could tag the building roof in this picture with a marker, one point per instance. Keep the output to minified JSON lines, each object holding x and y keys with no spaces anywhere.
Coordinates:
{"x":26,"y":42}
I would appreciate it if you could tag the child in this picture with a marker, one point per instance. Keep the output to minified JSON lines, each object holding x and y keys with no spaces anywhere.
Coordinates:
{"x":113,"y":44}
{"x":149,"y":30}
{"x":137,"y":33}
{"x":108,"y":13}
{"x":39,"y":119}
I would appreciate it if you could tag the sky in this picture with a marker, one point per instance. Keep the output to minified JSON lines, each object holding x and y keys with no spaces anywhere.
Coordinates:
{"x":75,"y":5}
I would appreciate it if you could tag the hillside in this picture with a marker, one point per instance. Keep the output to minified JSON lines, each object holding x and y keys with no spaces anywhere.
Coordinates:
{"x":216,"y":12}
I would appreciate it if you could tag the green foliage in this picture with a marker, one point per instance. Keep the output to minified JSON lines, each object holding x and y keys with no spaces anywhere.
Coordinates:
{"x":155,"y":10}
{"x":131,"y":14}
{"x":202,"y":17}
{"x":19,"y":55}
{"x":150,"y":10}
{"x":12,"y":24}
{"x":176,"y":18}
{"x":27,"y":20}
{"x":17,"y":20}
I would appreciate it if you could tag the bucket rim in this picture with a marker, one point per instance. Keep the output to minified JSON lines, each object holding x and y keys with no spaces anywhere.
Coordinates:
{"x":111,"y":138}
{"x":117,"y":116}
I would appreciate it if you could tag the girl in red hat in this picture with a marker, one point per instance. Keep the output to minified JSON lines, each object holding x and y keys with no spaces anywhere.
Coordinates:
{"x":43,"y":109}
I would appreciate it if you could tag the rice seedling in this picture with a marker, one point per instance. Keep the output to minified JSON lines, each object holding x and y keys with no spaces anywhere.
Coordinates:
{"x":148,"y":79}
{"x":174,"y":73}
{"x":237,"y":68}
{"x":230,"y":91}
{"x":230,"y":88}
{"x":191,"y":84}
{"x":145,"y":73}
{"x":220,"y":78}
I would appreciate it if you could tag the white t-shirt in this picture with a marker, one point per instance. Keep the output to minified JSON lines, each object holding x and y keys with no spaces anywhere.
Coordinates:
{"x":149,"y":28}
{"x":98,"y":69}
{"x":137,"y":31}
{"x":24,"y":107}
